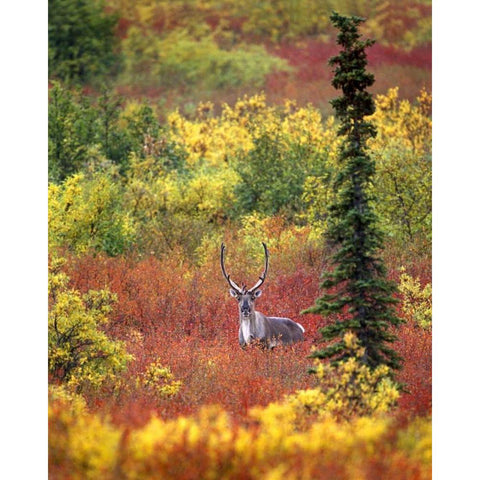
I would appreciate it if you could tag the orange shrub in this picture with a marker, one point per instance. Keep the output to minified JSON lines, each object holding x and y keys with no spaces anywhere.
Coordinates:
{"x":210,"y":444}
{"x":179,"y":315}
{"x":415,"y":346}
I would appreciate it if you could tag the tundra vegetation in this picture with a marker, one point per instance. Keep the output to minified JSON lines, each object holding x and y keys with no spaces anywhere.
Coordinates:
{"x":165,"y":140}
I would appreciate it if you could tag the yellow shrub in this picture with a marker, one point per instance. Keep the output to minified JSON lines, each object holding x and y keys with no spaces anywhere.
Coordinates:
{"x":59,"y":393}
{"x":402,"y":151}
{"x":416,"y":441}
{"x":218,"y":139}
{"x":417,"y":301}
{"x":209,"y":193}
{"x":84,"y":212}
{"x":194,"y":447}
{"x":160,"y":380}
{"x":81,"y":445}
{"x":80,"y":354}
{"x":209,"y":445}
{"x":348,"y":389}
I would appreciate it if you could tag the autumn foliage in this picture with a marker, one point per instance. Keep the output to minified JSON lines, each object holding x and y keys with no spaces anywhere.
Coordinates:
{"x":146,"y":376}
{"x":166,"y":309}
{"x":179,"y":323}
{"x":121,"y":257}
{"x":209,"y":445}
{"x":182,"y":316}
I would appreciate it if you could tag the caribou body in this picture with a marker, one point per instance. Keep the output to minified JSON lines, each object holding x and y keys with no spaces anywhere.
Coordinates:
{"x":255,"y":326}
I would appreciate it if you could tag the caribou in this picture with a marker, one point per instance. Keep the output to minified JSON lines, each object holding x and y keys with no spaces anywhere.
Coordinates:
{"x":254,"y":326}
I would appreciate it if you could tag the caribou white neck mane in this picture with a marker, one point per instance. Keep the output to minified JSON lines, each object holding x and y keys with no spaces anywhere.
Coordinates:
{"x":254,"y":326}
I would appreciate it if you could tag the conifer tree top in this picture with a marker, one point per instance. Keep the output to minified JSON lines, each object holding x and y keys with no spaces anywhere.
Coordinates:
{"x":350,"y":74}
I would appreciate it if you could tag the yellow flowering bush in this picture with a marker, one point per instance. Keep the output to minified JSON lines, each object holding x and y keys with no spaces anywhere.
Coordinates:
{"x":62,"y":394}
{"x":417,"y":301}
{"x":159,"y":379}
{"x":85,"y":212}
{"x":81,"y":445}
{"x":80,"y":354}
{"x":402,"y":153}
{"x":210,"y":445}
{"x":347,"y":389}
{"x":218,"y":139}
{"x":208,"y":193}
{"x":196,"y":447}
{"x":416,"y":440}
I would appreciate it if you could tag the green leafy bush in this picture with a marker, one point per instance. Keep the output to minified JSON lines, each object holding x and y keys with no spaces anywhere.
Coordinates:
{"x":82,"y":130}
{"x":273,"y":175}
{"x":180,"y":59}
{"x":81,"y":40}
{"x":71,"y":130}
{"x":85,"y":212}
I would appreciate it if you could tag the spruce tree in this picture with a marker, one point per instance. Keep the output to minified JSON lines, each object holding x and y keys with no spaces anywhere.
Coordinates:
{"x":358,"y":297}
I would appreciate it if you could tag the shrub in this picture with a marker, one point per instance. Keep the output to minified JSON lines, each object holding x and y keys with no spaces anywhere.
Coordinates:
{"x":348,"y":388}
{"x":84,"y":132}
{"x":417,"y":301}
{"x":80,"y":355}
{"x":402,"y":152}
{"x":81,"y":445}
{"x":210,"y":445}
{"x":159,"y":380}
{"x":81,"y":40}
{"x":85,"y":212}
{"x":182,"y":59}
{"x":70,"y":132}
{"x":272,"y":176}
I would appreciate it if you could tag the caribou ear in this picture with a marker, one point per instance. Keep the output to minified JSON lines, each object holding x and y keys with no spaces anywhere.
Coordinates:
{"x":233,"y":293}
{"x":257,"y":293}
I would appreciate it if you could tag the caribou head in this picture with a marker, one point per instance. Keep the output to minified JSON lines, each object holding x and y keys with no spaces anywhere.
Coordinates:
{"x":254,"y":326}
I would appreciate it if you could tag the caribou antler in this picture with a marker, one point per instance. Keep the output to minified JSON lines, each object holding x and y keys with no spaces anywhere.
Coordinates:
{"x":264,"y":274}
{"x":232,"y":283}
{"x":227,"y":277}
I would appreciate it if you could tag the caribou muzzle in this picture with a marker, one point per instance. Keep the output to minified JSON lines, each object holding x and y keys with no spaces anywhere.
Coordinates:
{"x":245,"y":308}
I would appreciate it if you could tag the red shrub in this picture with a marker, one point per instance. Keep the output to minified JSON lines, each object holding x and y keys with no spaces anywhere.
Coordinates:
{"x":311,"y":80}
{"x":415,"y":346}
{"x":181,"y":316}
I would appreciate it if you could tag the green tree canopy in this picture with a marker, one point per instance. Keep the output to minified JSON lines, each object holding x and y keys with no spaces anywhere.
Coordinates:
{"x":81,"y":40}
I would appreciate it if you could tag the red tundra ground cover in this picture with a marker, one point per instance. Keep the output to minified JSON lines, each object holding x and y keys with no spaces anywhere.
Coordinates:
{"x":182,"y":317}
{"x":311,"y":80}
